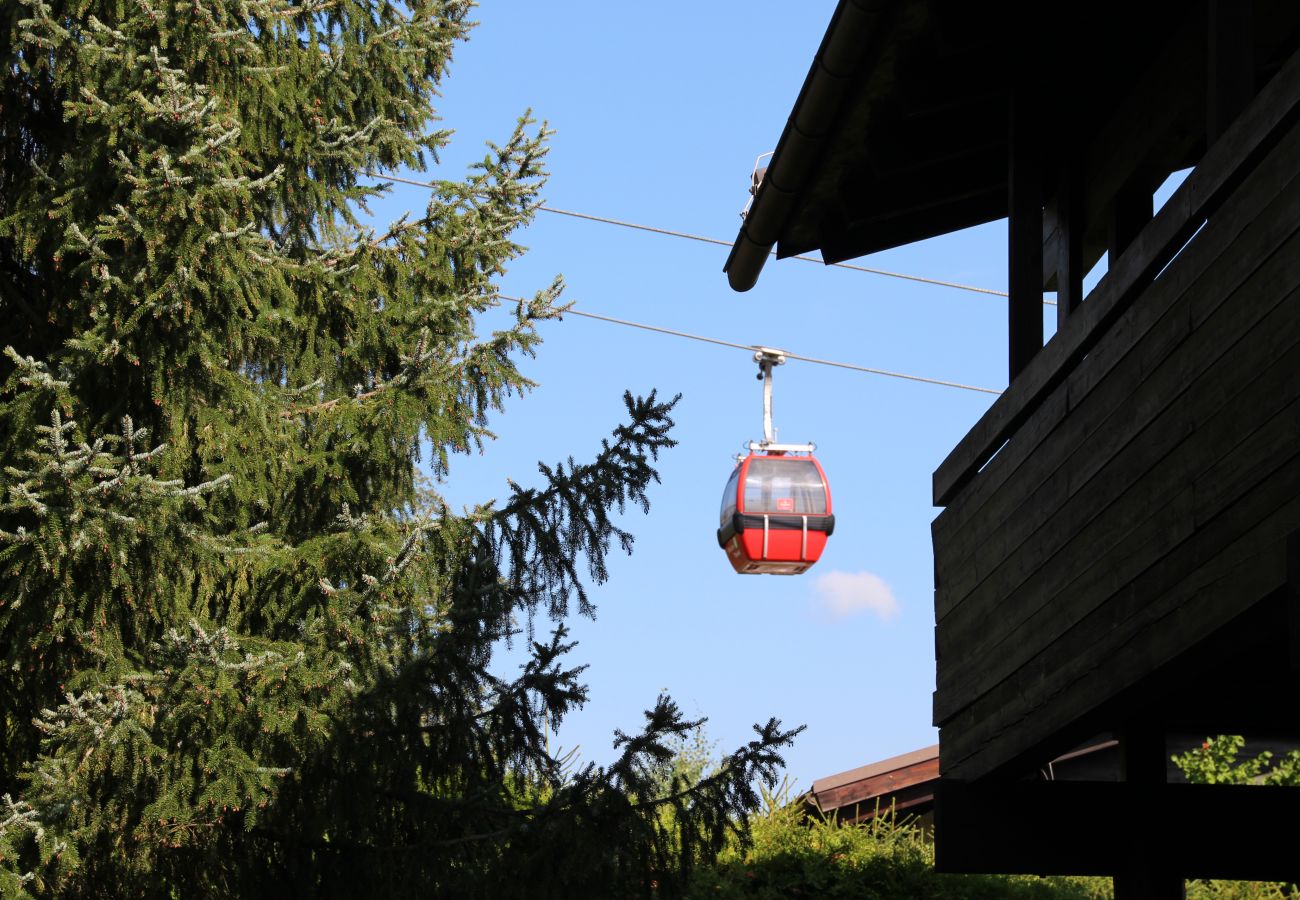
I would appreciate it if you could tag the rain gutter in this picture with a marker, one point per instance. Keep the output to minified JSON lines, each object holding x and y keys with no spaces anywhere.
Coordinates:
{"x":806,"y":132}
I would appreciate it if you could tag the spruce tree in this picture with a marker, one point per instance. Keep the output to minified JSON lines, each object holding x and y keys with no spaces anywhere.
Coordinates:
{"x":246,"y":650}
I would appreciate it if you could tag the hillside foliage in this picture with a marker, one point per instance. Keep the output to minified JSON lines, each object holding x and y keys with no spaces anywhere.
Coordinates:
{"x":888,"y":857}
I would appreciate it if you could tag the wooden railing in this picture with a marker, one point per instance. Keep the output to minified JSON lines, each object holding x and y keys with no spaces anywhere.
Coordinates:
{"x":1204,"y":190}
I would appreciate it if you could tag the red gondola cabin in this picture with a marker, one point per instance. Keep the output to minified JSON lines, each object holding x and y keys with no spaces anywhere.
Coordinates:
{"x":776,"y":514}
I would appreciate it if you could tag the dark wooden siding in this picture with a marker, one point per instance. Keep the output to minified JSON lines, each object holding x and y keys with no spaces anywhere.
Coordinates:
{"x":1145,"y":498}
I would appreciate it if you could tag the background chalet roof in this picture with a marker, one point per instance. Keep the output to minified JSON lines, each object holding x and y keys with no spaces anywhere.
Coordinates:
{"x":900,"y":130}
{"x":900,"y":783}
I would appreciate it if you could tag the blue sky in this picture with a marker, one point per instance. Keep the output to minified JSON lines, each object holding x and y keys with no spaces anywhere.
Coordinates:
{"x":659,"y":112}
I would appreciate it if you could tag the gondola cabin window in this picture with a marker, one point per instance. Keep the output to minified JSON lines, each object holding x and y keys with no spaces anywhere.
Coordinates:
{"x":777,"y":485}
{"x":730,"y":497}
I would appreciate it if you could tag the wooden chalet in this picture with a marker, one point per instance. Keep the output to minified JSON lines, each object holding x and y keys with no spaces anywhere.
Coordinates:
{"x":1118,"y":551}
{"x":905,"y":785}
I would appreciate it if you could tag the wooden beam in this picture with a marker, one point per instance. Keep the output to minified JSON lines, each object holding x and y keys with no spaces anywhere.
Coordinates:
{"x":1231,"y":64}
{"x":1144,"y":881}
{"x":1142,"y":753}
{"x":1143,"y":762}
{"x":1091,"y":828}
{"x":1130,"y":212}
{"x":1293,"y":602}
{"x":1071,"y":224}
{"x":1024,"y":224}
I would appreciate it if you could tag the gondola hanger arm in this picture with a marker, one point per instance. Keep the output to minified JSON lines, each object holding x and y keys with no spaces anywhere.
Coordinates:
{"x":768,"y":358}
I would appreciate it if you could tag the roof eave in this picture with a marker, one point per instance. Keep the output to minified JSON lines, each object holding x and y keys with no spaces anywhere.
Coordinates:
{"x":803,"y":139}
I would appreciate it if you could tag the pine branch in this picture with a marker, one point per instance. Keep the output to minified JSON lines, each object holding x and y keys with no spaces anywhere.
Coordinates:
{"x":539,"y":534}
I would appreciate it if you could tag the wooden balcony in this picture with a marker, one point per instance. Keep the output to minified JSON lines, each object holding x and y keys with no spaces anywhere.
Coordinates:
{"x":1131,"y":504}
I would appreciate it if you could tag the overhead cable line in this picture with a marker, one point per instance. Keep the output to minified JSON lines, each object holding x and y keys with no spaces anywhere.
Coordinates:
{"x":754,"y":347}
{"x":721,"y":243}
{"x":812,"y":259}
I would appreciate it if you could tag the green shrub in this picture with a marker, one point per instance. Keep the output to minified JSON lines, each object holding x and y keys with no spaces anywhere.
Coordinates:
{"x":885,"y":857}
{"x":1236,"y":890}
{"x":1218,"y":761}
{"x":892,"y":857}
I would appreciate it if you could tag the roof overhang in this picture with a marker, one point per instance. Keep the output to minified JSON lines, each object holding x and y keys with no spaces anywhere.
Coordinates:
{"x":900,"y":132}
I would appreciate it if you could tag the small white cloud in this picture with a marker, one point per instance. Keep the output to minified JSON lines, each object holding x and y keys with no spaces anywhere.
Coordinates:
{"x":844,"y":594}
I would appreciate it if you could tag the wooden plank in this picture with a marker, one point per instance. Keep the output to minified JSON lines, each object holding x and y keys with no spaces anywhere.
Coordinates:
{"x":1136,"y":539}
{"x":1053,"y":599}
{"x":1193,"y":591}
{"x":1109,"y":414}
{"x":1218,"y":174}
{"x":1239,"y":225}
{"x":1094,"y":828}
{"x":1254,"y":458}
